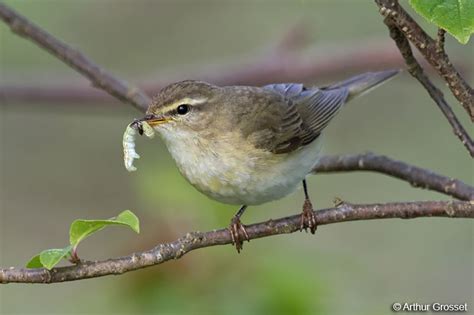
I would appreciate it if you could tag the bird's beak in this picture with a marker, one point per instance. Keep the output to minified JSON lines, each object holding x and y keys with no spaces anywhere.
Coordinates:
{"x":154,"y":120}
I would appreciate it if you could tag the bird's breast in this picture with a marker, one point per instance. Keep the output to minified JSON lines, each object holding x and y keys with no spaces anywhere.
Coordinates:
{"x":233,"y":171}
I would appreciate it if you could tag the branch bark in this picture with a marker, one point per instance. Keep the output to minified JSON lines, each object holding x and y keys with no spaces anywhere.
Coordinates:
{"x":397,"y":32}
{"x":75,"y":59}
{"x":429,"y":48}
{"x":416,"y":176}
{"x":195,"y":240}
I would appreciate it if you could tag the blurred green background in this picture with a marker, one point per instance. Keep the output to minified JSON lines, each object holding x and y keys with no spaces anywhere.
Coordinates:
{"x":60,"y":162}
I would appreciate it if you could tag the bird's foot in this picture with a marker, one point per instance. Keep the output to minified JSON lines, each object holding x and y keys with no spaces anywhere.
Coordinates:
{"x":238,"y":233}
{"x":308,"y":219}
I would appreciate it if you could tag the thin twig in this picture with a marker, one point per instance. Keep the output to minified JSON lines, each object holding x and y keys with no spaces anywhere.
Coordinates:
{"x":428,"y":48}
{"x":283,"y":66}
{"x":74,"y":58}
{"x":416,"y":71}
{"x":416,"y":176}
{"x":192,"y":241}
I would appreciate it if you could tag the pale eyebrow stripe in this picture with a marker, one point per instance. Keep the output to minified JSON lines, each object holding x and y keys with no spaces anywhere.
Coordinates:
{"x":186,"y":100}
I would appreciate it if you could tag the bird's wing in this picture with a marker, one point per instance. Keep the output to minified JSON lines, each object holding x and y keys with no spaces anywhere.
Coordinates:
{"x":308,"y":113}
{"x":268,"y":120}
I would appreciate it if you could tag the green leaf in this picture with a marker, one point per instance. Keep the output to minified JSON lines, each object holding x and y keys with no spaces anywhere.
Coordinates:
{"x":51,"y":257}
{"x":34,"y":262}
{"x":455,"y":16}
{"x":80,"y":229}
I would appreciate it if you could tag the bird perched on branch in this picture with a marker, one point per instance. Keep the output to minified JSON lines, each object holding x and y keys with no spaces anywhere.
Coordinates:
{"x":248,"y":145}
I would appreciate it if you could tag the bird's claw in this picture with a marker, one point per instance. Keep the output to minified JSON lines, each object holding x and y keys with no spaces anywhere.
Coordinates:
{"x":308,"y":219}
{"x":238,"y":233}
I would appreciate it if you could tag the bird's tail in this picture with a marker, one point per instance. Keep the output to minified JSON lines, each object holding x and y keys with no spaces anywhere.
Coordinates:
{"x":363,"y":83}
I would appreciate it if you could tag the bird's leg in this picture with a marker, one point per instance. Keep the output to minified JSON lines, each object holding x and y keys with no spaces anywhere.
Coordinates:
{"x":237,"y":230}
{"x":308,"y":219}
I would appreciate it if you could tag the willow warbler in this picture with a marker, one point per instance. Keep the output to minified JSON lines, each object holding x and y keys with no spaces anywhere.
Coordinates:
{"x":248,"y":145}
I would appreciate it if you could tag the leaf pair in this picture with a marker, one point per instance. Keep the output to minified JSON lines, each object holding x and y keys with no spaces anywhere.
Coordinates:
{"x":79,"y":230}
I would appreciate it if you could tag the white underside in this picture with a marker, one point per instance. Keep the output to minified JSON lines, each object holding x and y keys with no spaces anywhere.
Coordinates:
{"x":231,"y":175}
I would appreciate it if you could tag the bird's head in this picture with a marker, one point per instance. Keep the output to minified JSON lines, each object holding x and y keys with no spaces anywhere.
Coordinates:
{"x":184,"y":106}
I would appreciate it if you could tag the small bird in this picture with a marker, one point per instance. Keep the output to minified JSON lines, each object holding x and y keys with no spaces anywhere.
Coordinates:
{"x":246,"y":145}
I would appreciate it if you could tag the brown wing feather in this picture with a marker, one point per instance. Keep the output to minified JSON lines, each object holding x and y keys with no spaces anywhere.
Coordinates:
{"x":316,"y":107}
{"x":274,"y":125}
{"x":309,"y":112}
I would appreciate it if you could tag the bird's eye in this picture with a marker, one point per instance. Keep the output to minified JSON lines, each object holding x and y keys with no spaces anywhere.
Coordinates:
{"x":182,"y":109}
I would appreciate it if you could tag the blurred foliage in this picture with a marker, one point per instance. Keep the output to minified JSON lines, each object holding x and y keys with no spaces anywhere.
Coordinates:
{"x":62,"y":162}
{"x":276,"y":288}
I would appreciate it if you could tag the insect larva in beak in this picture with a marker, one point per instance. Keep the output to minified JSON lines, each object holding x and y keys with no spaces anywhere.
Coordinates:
{"x":129,"y":136}
{"x":148,"y":130}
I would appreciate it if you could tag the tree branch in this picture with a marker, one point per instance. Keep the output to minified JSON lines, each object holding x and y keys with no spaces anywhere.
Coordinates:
{"x":416,"y":176}
{"x":429,"y":48}
{"x":195,"y":240}
{"x":416,"y":71}
{"x":75,"y":59}
{"x":287,"y":66}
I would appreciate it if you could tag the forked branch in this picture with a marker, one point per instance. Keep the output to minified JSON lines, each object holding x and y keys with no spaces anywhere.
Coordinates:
{"x":401,"y":27}
{"x":430,"y":49}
